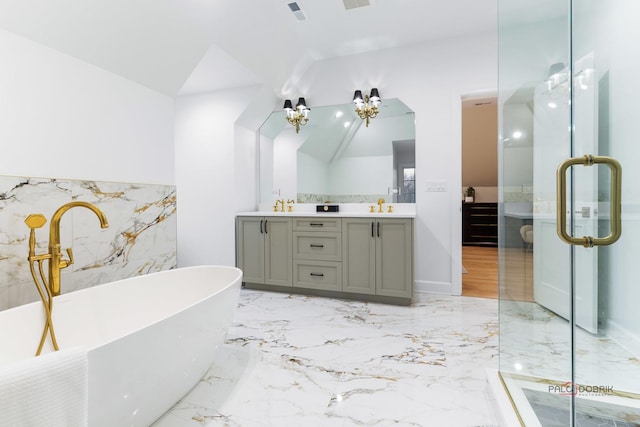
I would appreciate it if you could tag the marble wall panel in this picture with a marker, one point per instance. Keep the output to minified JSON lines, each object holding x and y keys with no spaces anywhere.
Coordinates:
{"x":342,"y":198}
{"x":141,"y":237}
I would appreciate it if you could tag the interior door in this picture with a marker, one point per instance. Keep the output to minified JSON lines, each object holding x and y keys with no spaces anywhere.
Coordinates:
{"x":554,"y":143}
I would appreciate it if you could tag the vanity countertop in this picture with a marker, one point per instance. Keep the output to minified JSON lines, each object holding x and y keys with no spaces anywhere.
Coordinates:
{"x":346,"y":214}
{"x":519,"y":210}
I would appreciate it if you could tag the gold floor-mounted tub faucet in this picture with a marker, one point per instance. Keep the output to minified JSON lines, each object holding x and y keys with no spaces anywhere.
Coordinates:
{"x":57,"y":263}
{"x":50,"y":286}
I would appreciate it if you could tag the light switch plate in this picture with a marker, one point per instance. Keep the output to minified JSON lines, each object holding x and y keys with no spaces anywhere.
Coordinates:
{"x":436,"y":186}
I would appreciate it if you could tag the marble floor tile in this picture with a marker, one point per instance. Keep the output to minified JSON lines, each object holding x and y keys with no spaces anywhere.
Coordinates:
{"x":537,"y":341}
{"x":293,"y":360}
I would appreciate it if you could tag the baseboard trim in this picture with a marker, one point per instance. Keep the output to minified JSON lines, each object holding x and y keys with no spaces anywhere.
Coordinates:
{"x":428,"y":287}
{"x":330,"y":294}
{"x":624,"y":337}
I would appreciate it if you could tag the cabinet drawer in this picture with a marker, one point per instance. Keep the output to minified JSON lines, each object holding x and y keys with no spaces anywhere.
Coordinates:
{"x":479,"y":224}
{"x":317,"y":224}
{"x":317,"y":246}
{"x":479,"y":211}
{"x":483,"y":219}
{"x":317,"y":275}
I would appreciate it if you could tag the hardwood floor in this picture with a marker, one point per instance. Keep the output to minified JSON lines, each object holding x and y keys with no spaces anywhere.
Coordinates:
{"x":481,"y":279}
{"x":517,"y":275}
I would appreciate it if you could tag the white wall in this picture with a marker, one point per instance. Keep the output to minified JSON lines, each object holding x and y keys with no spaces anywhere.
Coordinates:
{"x":70,"y":119}
{"x":285,"y":164}
{"x":313,"y":175}
{"x":430,"y":78}
{"x":64,"y":118}
{"x":246,"y":170}
{"x":215,"y":174}
{"x":265,"y":167}
{"x":375,"y":140}
{"x":68,"y":111}
{"x":361,"y":175}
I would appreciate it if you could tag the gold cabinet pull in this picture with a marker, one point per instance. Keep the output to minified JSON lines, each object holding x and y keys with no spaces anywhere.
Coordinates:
{"x":615,"y":202}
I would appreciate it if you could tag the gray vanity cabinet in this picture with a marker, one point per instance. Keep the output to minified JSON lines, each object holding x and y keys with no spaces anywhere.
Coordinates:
{"x":264,"y":250}
{"x":328,"y":255}
{"x":317,"y":253}
{"x":378,"y":256}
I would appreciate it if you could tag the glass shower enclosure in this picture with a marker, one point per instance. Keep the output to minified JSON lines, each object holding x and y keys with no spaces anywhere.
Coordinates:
{"x":569,"y":117}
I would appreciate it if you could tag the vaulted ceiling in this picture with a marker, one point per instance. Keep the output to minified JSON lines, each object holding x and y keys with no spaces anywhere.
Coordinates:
{"x":187,"y":46}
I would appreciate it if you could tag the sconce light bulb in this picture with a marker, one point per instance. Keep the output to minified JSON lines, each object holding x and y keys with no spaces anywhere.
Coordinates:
{"x":357,"y":98}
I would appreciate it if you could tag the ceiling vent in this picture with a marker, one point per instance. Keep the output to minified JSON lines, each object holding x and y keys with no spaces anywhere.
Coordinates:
{"x":297,"y":12}
{"x":353,"y":4}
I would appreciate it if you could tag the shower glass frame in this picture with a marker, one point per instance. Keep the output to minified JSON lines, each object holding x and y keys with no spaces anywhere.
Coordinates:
{"x":565,"y":71}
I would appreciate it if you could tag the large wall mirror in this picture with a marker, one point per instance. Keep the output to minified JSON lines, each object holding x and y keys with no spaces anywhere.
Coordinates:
{"x":336,"y":158}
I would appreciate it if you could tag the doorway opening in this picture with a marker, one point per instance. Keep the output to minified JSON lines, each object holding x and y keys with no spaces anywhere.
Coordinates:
{"x":479,"y":197}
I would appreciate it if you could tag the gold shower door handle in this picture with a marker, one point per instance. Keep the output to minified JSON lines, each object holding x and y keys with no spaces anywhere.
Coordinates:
{"x":615,"y":201}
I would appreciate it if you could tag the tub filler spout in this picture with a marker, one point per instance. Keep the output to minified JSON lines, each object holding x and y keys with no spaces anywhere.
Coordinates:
{"x":48,"y":286}
{"x":57,"y":263}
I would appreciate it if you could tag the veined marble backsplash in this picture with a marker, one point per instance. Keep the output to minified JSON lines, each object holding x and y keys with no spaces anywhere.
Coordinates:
{"x":348,"y":198}
{"x":522,"y":193}
{"x":140,"y":239}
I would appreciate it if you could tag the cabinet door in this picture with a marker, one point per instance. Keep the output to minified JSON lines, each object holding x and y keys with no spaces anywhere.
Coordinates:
{"x":359,"y":256}
{"x":250,"y":247}
{"x":278,"y":251}
{"x":394,"y":257}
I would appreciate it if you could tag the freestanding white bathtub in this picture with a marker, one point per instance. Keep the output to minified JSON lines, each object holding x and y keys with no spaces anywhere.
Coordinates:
{"x":149,"y":338}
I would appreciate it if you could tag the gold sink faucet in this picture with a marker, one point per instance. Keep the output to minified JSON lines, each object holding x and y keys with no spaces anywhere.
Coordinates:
{"x":380,"y":203}
{"x":281,"y":203}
